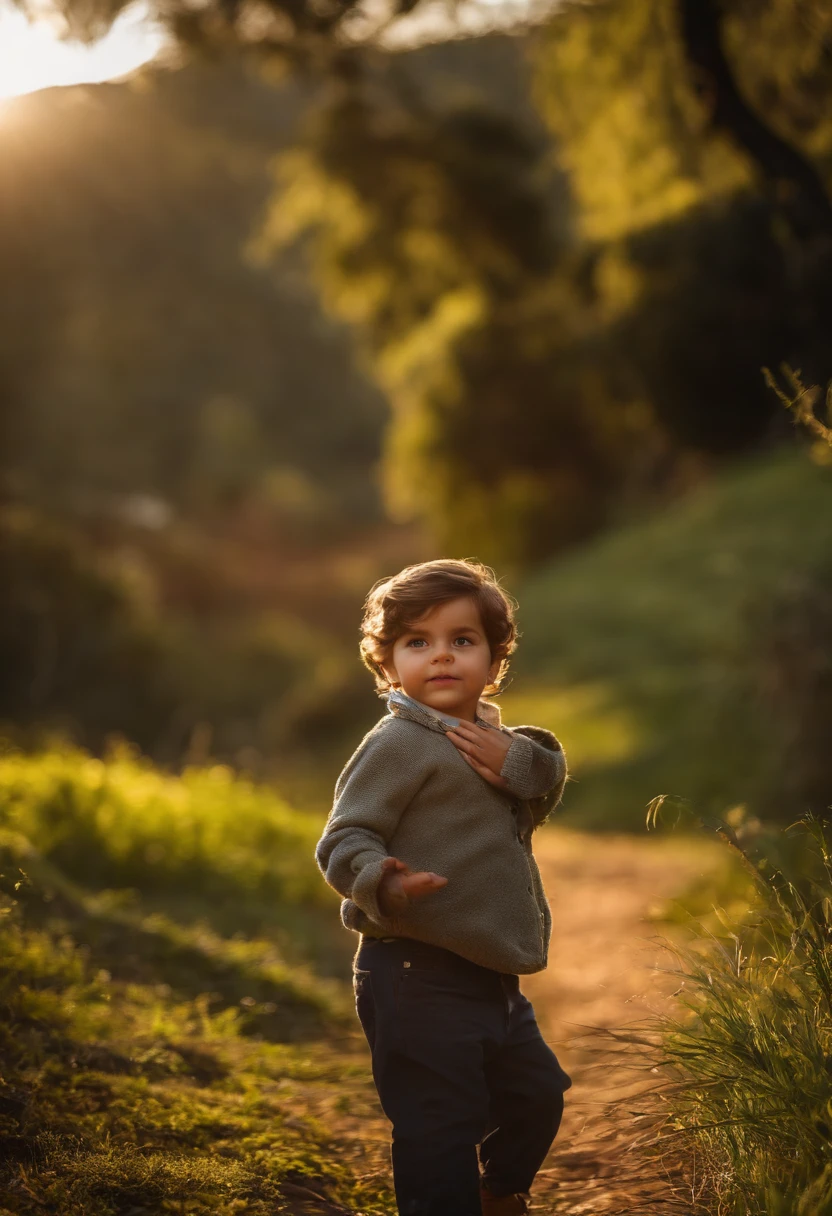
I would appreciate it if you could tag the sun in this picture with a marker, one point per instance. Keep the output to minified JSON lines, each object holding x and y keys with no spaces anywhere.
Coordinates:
{"x":33,"y":57}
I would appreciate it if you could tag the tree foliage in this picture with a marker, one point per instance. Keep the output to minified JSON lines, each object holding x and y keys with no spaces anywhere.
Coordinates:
{"x":444,"y":238}
{"x":716,"y":210}
{"x":556,"y":326}
{"x":689,"y":249}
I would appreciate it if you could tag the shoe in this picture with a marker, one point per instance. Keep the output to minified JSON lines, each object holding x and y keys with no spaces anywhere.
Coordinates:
{"x":504,"y":1205}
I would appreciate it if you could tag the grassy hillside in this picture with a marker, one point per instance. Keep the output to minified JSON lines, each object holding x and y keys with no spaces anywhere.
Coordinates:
{"x":660,"y":654}
{"x":165,"y":1043}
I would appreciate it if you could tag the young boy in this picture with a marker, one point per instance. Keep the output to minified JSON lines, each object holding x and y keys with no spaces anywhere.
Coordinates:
{"x":429,"y":843}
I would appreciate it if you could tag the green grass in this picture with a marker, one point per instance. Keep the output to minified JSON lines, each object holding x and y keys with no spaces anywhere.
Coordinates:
{"x":205,"y":844}
{"x":750,"y":1099}
{"x":645,"y":651}
{"x":154,"y":1055}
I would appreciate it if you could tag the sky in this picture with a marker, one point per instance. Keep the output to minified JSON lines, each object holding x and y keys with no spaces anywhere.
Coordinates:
{"x":32,"y":57}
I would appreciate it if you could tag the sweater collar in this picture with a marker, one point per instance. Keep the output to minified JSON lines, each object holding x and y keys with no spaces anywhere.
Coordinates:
{"x":404,"y":706}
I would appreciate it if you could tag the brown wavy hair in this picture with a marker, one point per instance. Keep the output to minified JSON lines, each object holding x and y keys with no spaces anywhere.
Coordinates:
{"x":395,"y":604}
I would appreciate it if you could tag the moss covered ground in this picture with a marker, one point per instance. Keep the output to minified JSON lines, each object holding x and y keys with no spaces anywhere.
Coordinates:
{"x":164,"y":1045}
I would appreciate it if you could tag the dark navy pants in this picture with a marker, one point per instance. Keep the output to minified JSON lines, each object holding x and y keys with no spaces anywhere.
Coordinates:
{"x":458,"y":1062}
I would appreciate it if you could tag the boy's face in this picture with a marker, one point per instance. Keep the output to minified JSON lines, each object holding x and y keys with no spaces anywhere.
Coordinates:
{"x":444,"y":659}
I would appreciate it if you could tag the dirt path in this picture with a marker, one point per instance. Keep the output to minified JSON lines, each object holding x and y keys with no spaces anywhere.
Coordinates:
{"x":602,"y":974}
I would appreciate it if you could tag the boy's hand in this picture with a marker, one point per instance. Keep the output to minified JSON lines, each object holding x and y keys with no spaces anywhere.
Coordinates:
{"x":400,"y":884}
{"x":484,"y":747}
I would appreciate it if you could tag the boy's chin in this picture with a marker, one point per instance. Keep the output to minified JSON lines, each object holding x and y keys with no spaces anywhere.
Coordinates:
{"x":446,"y":695}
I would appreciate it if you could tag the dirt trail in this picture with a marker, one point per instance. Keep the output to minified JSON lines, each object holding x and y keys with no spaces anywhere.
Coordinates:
{"x":601,"y":974}
{"x":605,"y":971}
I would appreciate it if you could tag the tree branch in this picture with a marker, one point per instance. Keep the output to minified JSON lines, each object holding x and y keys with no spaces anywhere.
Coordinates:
{"x":795,"y":183}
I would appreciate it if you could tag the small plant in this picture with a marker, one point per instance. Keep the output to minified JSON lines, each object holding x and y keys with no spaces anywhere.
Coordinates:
{"x":803,"y":401}
{"x":749,"y":1064}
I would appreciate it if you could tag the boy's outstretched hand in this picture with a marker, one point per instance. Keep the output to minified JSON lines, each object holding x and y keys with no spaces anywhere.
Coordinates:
{"x":400,"y":884}
{"x":484,"y":747}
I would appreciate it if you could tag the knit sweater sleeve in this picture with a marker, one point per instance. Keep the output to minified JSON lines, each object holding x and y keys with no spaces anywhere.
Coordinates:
{"x":534,"y":766}
{"x":378,"y":782}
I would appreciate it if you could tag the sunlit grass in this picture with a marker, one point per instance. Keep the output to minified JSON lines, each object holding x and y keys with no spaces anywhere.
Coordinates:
{"x":151,"y":1061}
{"x":123,"y":822}
{"x":643,"y":651}
{"x":751,"y":1096}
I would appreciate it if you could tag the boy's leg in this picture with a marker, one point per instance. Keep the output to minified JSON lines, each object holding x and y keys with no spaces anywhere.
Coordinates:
{"x":526,"y":1084}
{"x":436,"y":1129}
{"x":429,"y":1029}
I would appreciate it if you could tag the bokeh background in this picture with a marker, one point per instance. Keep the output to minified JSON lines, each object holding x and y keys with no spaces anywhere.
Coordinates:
{"x":313,"y":295}
{"x":319,"y":289}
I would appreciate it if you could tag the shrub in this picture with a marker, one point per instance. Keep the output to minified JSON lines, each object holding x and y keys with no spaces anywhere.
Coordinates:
{"x":120,"y":822}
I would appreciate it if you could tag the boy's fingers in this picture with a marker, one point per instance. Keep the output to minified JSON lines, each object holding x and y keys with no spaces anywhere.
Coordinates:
{"x":472,"y":730}
{"x":423,"y":883}
{"x":486,"y":758}
{"x":462,"y":739}
{"x":392,"y":863}
{"x":488,"y":773}
{"x":422,"y":879}
{"x":395,"y":896}
{"x":477,"y":764}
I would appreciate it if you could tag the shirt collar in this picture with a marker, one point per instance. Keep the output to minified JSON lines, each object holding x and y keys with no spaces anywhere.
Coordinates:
{"x":487,"y":711}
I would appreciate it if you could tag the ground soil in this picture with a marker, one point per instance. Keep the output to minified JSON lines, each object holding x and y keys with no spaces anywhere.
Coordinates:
{"x":611,"y":973}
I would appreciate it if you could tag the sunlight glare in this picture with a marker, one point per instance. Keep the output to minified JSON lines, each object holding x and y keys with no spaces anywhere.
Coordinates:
{"x":32,"y":57}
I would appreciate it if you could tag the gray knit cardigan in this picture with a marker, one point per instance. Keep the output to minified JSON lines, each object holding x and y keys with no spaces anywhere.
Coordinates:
{"x":407,"y":792}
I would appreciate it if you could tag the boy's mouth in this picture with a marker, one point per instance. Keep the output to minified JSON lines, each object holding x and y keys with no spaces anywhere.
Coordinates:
{"x":441,"y":679}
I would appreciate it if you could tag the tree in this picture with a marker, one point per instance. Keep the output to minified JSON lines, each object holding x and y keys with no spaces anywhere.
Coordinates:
{"x":526,"y":354}
{"x":436,"y":235}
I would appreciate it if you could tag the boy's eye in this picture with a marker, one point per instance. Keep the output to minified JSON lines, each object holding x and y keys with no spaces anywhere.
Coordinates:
{"x":416,"y":641}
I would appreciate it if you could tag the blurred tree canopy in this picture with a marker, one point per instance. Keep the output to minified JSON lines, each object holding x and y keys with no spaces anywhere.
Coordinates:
{"x":437,"y":233}
{"x":558,"y":310}
{"x":699,"y":144}
{"x":552,"y":360}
